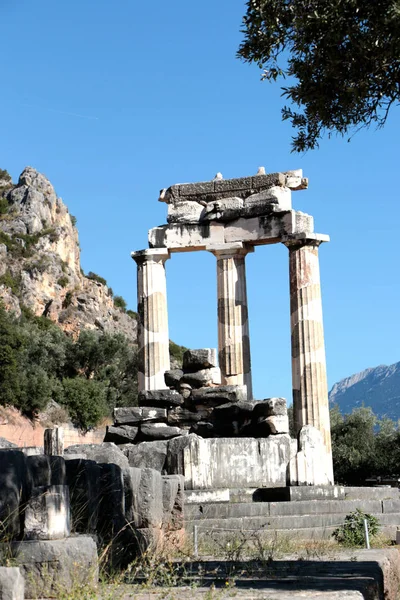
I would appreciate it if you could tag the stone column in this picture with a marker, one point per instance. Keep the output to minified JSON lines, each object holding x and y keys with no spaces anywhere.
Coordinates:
{"x":233,"y":323}
{"x":153,"y":335}
{"x":54,"y":441}
{"x":310,"y":388}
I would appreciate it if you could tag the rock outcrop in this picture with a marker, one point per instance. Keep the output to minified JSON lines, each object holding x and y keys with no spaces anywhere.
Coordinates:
{"x":40,"y":261}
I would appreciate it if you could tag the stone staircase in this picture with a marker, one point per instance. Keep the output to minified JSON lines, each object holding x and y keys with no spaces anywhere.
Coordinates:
{"x":224,"y":515}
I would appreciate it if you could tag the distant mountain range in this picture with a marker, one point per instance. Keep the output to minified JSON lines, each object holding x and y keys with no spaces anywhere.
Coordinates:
{"x":377,"y":387}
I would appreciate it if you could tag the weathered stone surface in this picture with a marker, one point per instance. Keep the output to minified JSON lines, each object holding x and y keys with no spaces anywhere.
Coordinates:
{"x":170,"y":485}
{"x":160,"y":398}
{"x":275,"y":198}
{"x":181,"y":415}
{"x":173,"y":377}
{"x":203,"y":378}
{"x":312,"y":463}
{"x":194,"y":360}
{"x":150,"y":499}
{"x":12,"y":585}
{"x":6,"y":444}
{"x":204,"y":429}
{"x":185,"y":390}
{"x":54,"y":441}
{"x":215,"y":396}
{"x":159,"y":431}
{"x":47,"y":513}
{"x":131,"y":477}
{"x":276,"y":424}
{"x":107,"y":452}
{"x":121,"y":435}
{"x":83,"y":478}
{"x":111,"y":517}
{"x":13,"y":484}
{"x":270,"y":407}
{"x":178,"y":236}
{"x":185,"y":212}
{"x":252,"y":462}
{"x":233,"y":410}
{"x":136,"y":414}
{"x":45,"y":470}
{"x":150,"y":455}
{"x":153,"y":337}
{"x":52,"y":568}
{"x":175,"y":464}
{"x":224,"y":209}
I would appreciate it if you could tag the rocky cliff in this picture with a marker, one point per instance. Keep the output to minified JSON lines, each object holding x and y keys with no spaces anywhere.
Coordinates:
{"x":377,"y":387}
{"x":40,"y":261}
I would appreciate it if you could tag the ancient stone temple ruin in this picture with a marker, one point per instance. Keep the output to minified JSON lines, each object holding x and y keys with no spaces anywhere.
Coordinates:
{"x":218,"y":435}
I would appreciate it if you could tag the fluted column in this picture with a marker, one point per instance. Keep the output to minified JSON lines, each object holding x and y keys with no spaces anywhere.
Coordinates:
{"x":233,"y":323}
{"x":153,"y":338}
{"x":310,"y":388}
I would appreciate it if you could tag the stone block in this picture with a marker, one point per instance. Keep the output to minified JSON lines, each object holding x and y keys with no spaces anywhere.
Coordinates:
{"x":4,"y":444}
{"x":176,"y":237}
{"x":159,"y":431}
{"x":204,"y":429}
{"x":270,"y":407}
{"x":53,"y":568}
{"x":268,"y":180}
{"x":43,"y":470}
{"x":215,"y":396}
{"x":13,"y":491}
{"x":131,"y":478}
{"x":276,"y":198}
{"x":195,"y":360}
{"x":196,"y":189}
{"x":173,"y":377}
{"x":111,"y":517}
{"x":135,"y":414}
{"x":233,"y":410}
{"x":12,"y":585}
{"x":150,"y":499}
{"x":203,"y":378}
{"x":264,"y":427}
{"x":174,"y":464}
{"x":83,"y":478}
{"x":54,"y":441}
{"x":303,"y":493}
{"x":224,"y":209}
{"x":169,"y":492}
{"x":310,"y":466}
{"x":377,"y":493}
{"x":151,"y":455}
{"x":185,"y":212}
{"x":124,"y":434}
{"x":252,"y":462}
{"x":47,"y":513}
{"x":160,"y":398}
{"x":180,"y":415}
{"x":107,"y":452}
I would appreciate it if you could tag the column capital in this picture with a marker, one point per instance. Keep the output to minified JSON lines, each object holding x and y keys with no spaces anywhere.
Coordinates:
{"x":304,"y":239}
{"x":150,"y":254}
{"x":230,"y":250}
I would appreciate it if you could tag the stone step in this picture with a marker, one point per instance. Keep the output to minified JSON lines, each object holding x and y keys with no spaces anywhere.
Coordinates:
{"x":291,"y":494}
{"x":312,"y":507}
{"x":285,"y":522}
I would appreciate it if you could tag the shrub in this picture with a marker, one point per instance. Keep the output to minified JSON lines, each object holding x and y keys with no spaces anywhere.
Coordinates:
{"x":119,"y":302}
{"x":95,"y":277}
{"x":67,"y":300}
{"x":63,"y":281}
{"x":5,"y":175}
{"x":74,"y":220}
{"x":131,"y":313}
{"x":3,"y":206}
{"x":176,"y":351}
{"x":351,"y":533}
{"x":85,"y":400}
{"x":12,"y":282}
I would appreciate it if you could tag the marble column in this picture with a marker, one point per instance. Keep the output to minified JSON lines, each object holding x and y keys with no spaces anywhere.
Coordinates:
{"x":310,"y":389}
{"x":233,"y":323}
{"x":153,"y":338}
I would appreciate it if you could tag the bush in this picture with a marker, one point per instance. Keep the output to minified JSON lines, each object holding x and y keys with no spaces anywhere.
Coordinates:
{"x":12,"y":282}
{"x":67,"y":300}
{"x":3,"y":206}
{"x":95,"y":277}
{"x":119,"y":302}
{"x":351,"y":533}
{"x":176,"y":351}
{"x":74,"y":220}
{"x":63,"y":281}
{"x":5,"y":175}
{"x":85,"y":400}
{"x":131,"y":313}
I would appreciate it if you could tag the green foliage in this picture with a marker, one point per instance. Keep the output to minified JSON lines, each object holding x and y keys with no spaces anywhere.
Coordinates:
{"x":63,"y":281}
{"x":22,"y":245}
{"x":89,"y":376}
{"x":85,"y":401}
{"x":74,"y":220}
{"x":3,"y":206}
{"x":119,"y":302}
{"x":351,"y":533}
{"x":4,"y":175}
{"x":342,"y":58}
{"x":11,"y":281}
{"x":131,"y":313}
{"x":176,"y":351}
{"x":95,"y":277}
{"x":67,"y":300}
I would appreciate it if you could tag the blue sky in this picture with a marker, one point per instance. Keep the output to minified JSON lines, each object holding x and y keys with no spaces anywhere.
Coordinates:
{"x":114,"y":101}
